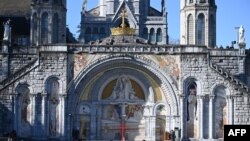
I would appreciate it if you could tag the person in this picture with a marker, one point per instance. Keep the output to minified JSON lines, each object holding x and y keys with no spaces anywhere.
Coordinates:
{"x":7,"y":30}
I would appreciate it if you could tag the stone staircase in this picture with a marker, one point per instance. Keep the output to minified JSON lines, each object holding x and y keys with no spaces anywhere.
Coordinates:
{"x":239,"y":85}
{"x":20,"y":73}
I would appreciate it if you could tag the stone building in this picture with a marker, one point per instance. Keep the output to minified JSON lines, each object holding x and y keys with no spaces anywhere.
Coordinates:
{"x":123,"y":81}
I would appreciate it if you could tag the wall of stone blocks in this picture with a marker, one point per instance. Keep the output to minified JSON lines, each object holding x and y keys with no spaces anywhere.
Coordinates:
{"x":197,"y":67}
{"x":51,"y":64}
{"x":242,"y":110}
{"x":18,"y":61}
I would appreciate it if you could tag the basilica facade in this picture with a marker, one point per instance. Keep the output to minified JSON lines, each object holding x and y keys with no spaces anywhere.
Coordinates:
{"x":123,"y":80}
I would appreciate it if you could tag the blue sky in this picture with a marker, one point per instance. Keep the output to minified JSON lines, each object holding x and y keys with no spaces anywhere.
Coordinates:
{"x":230,"y":14}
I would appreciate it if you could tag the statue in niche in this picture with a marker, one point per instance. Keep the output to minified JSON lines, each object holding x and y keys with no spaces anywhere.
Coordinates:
{"x":220,"y":112}
{"x":123,"y":89}
{"x":134,"y":112}
{"x":112,"y":112}
{"x":192,"y":105}
{"x":25,"y":112}
{"x":53,"y":124}
{"x":241,"y":35}
{"x":7,"y":30}
{"x":84,"y":124}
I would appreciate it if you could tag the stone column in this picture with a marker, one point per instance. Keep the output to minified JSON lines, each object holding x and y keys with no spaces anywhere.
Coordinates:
{"x":230,"y":109}
{"x":15,"y":111}
{"x":152,"y":127}
{"x":33,"y":109}
{"x":62,"y":114}
{"x":211,"y":98}
{"x":200,"y":118}
{"x":182,"y":119}
{"x":44,"y":115}
{"x":93,"y":123}
{"x":99,"y":116}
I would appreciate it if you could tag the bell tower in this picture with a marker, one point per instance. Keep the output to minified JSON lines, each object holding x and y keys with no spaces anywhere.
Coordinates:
{"x":48,"y":22}
{"x":198,"y":22}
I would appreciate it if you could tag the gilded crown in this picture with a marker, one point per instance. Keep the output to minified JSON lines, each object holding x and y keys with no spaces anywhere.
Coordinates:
{"x":123,"y":29}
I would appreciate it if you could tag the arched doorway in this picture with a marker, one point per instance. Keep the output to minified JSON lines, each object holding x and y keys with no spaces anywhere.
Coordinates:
{"x":121,"y":95}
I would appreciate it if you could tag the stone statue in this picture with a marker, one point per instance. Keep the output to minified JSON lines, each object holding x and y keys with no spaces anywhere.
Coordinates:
{"x":123,"y":89}
{"x":25,"y":109}
{"x":220,"y":112}
{"x":192,"y":105}
{"x":7,"y":31}
{"x":241,"y":35}
{"x":53,"y":116}
{"x":84,"y":6}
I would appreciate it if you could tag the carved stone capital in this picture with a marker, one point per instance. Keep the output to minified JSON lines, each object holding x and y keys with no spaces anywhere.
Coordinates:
{"x":182,"y":96}
{"x":201,"y":97}
{"x":229,"y":97}
{"x":211,"y":97}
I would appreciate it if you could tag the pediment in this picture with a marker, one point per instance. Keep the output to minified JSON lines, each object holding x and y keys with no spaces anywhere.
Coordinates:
{"x":130,"y":17}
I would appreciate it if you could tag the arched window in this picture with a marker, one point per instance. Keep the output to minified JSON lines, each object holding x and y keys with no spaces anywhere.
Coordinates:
{"x":88,"y":30}
{"x":44,"y":28}
{"x":23,"y":91}
{"x":205,"y":117}
{"x":161,"y":113}
{"x":202,"y":1}
{"x":145,"y":33}
{"x":102,"y":31}
{"x":159,"y":35}
{"x":24,"y":109}
{"x":34,"y":24}
{"x":201,"y":30}
{"x":190,"y":30}
{"x":152,"y":35}
{"x":55,"y":28}
{"x":95,"y":30}
{"x":191,"y":108}
{"x":212,"y":30}
{"x":57,"y":1}
{"x":219,"y":112}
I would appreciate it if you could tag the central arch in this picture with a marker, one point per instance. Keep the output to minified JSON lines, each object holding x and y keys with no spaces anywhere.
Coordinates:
{"x":142,"y":73}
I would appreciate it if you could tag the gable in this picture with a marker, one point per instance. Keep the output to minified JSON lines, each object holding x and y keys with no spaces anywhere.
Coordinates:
{"x":154,"y":12}
{"x":130,"y":17}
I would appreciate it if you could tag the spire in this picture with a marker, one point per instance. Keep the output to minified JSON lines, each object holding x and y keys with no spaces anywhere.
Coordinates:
{"x":84,"y":6}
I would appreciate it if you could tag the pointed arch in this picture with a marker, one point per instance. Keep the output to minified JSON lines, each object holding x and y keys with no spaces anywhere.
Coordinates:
{"x":52,"y":87}
{"x":152,"y":35}
{"x":55,"y":28}
{"x":190,"y":30}
{"x":159,"y":35}
{"x":192,"y":88}
{"x":88,"y":33}
{"x":200,"y":30}
{"x":88,"y":30}
{"x":102,"y":30}
{"x":44,"y":28}
{"x":24,"y":110}
{"x":95,"y":30}
{"x":212,"y":29}
{"x":220,"y":111}
{"x":34,"y":27}
{"x":145,"y":33}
